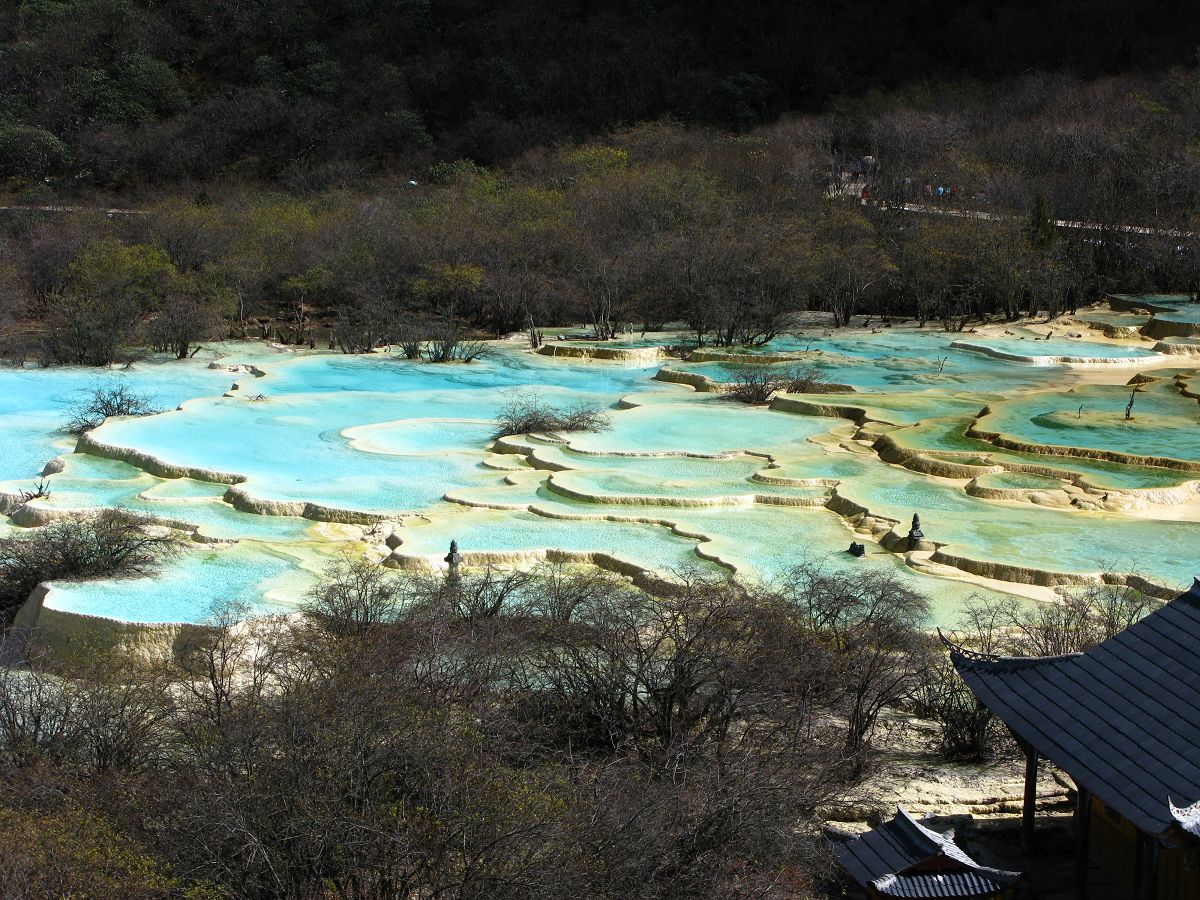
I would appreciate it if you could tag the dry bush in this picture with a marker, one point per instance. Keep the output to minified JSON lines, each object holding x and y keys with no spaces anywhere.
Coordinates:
{"x":352,"y":596}
{"x":1082,"y":618}
{"x":803,"y":381}
{"x":109,"y":543}
{"x":527,"y":413}
{"x":500,"y":734}
{"x":96,"y":403}
{"x":756,"y":383}
{"x":967,"y":730}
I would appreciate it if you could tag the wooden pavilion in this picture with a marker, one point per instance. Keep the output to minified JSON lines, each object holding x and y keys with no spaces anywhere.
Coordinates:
{"x":1123,"y":721}
{"x":906,"y":858}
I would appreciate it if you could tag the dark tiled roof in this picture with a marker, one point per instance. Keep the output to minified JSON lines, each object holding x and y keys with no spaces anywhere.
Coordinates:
{"x":1123,"y":719}
{"x":883,"y":857}
{"x":950,"y":884}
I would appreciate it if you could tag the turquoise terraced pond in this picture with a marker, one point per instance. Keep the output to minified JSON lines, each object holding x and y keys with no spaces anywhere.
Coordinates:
{"x":681,"y":479}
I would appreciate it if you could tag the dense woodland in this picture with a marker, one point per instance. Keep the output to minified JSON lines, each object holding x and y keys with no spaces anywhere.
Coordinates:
{"x":728,"y":233}
{"x":419,"y":173}
{"x":499,"y":734}
{"x":114,"y":92}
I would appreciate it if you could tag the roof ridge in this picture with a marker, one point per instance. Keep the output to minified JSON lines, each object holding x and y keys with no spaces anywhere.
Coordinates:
{"x":1190,"y":597}
{"x":912,"y":830}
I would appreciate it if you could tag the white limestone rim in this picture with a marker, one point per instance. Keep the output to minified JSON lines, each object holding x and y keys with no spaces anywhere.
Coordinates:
{"x":891,"y":450}
{"x":705,"y":384}
{"x":1049,"y":494}
{"x":716,"y":499}
{"x":360,"y":437}
{"x":640,"y":576}
{"x":882,"y":530}
{"x":1047,"y":578}
{"x":647,"y":355}
{"x":323,"y":513}
{"x":1171,"y":349}
{"x":976,"y":430}
{"x":1086,"y":362}
{"x":42,"y":597}
{"x":994,"y":570}
{"x":35,"y":514}
{"x":239,"y":494}
{"x":858,"y":518}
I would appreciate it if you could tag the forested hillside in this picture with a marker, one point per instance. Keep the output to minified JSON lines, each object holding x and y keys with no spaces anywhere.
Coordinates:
{"x":656,"y":223}
{"x":115,"y":92}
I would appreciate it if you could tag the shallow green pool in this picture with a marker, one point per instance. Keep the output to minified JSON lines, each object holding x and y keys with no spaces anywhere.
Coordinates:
{"x":679,"y":479}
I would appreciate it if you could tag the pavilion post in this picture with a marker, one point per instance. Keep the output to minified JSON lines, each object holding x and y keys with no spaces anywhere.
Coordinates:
{"x":1029,"y":801}
{"x":1147,"y":866}
{"x":1083,"y":834}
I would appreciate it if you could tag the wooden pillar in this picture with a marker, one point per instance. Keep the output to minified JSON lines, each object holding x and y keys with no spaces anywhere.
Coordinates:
{"x":1029,"y":801}
{"x":1147,"y":866}
{"x":1083,"y":834}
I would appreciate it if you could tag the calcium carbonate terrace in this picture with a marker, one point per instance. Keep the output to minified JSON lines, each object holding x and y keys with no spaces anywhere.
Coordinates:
{"x":1015,"y":452}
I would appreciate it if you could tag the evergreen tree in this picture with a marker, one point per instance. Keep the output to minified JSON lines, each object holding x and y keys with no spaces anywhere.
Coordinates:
{"x":1041,"y":226}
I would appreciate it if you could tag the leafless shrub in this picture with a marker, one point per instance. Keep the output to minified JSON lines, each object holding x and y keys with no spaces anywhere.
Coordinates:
{"x":803,"y":381}
{"x":410,"y":338}
{"x":967,"y":730}
{"x":97,"y":545}
{"x":449,"y":341}
{"x":680,"y":351}
{"x":455,"y":350}
{"x":102,"y":399}
{"x":1080,"y":619}
{"x":352,"y":596}
{"x":873,"y":627}
{"x":527,"y":413}
{"x":41,"y":490}
{"x":501,"y":733}
{"x":753,"y":383}
{"x":180,"y":326}
{"x":756,"y":383}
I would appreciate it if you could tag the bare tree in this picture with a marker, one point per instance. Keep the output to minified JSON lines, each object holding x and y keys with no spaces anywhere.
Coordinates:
{"x":103,"y":399}
{"x":872,"y":624}
{"x":527,"y":413}
{"x":104,"y":544}
{"x":353,"y":596}
{"x":180,"y":325}
{"x":757,"y":383}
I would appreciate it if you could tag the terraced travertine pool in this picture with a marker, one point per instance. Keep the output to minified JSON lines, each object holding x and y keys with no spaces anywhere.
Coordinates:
{"x":1025,"y":472}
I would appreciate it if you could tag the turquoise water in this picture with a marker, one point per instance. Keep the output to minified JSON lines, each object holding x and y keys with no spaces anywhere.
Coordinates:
{"x":671,"y":484}
{"x":1170,"y":307}
{"x":1064,"y":347}
{"x":706,"y":424}
{"x":1154,"y":302}
{"x":893,"y":361}
{"x":1030,"y":536}
{"x":1184,"y":312}
{"x":650,"y":547}
{"x":192,"y":587}
{"x":946,"y":439}
{"x":1164,"y":423}
{"x":33,"y":404}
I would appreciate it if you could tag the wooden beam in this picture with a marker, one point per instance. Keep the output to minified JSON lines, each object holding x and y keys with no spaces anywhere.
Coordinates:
{"x":1147,"y":866}
{"x":1029,"y":801}
{"x":1083,"y":834}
